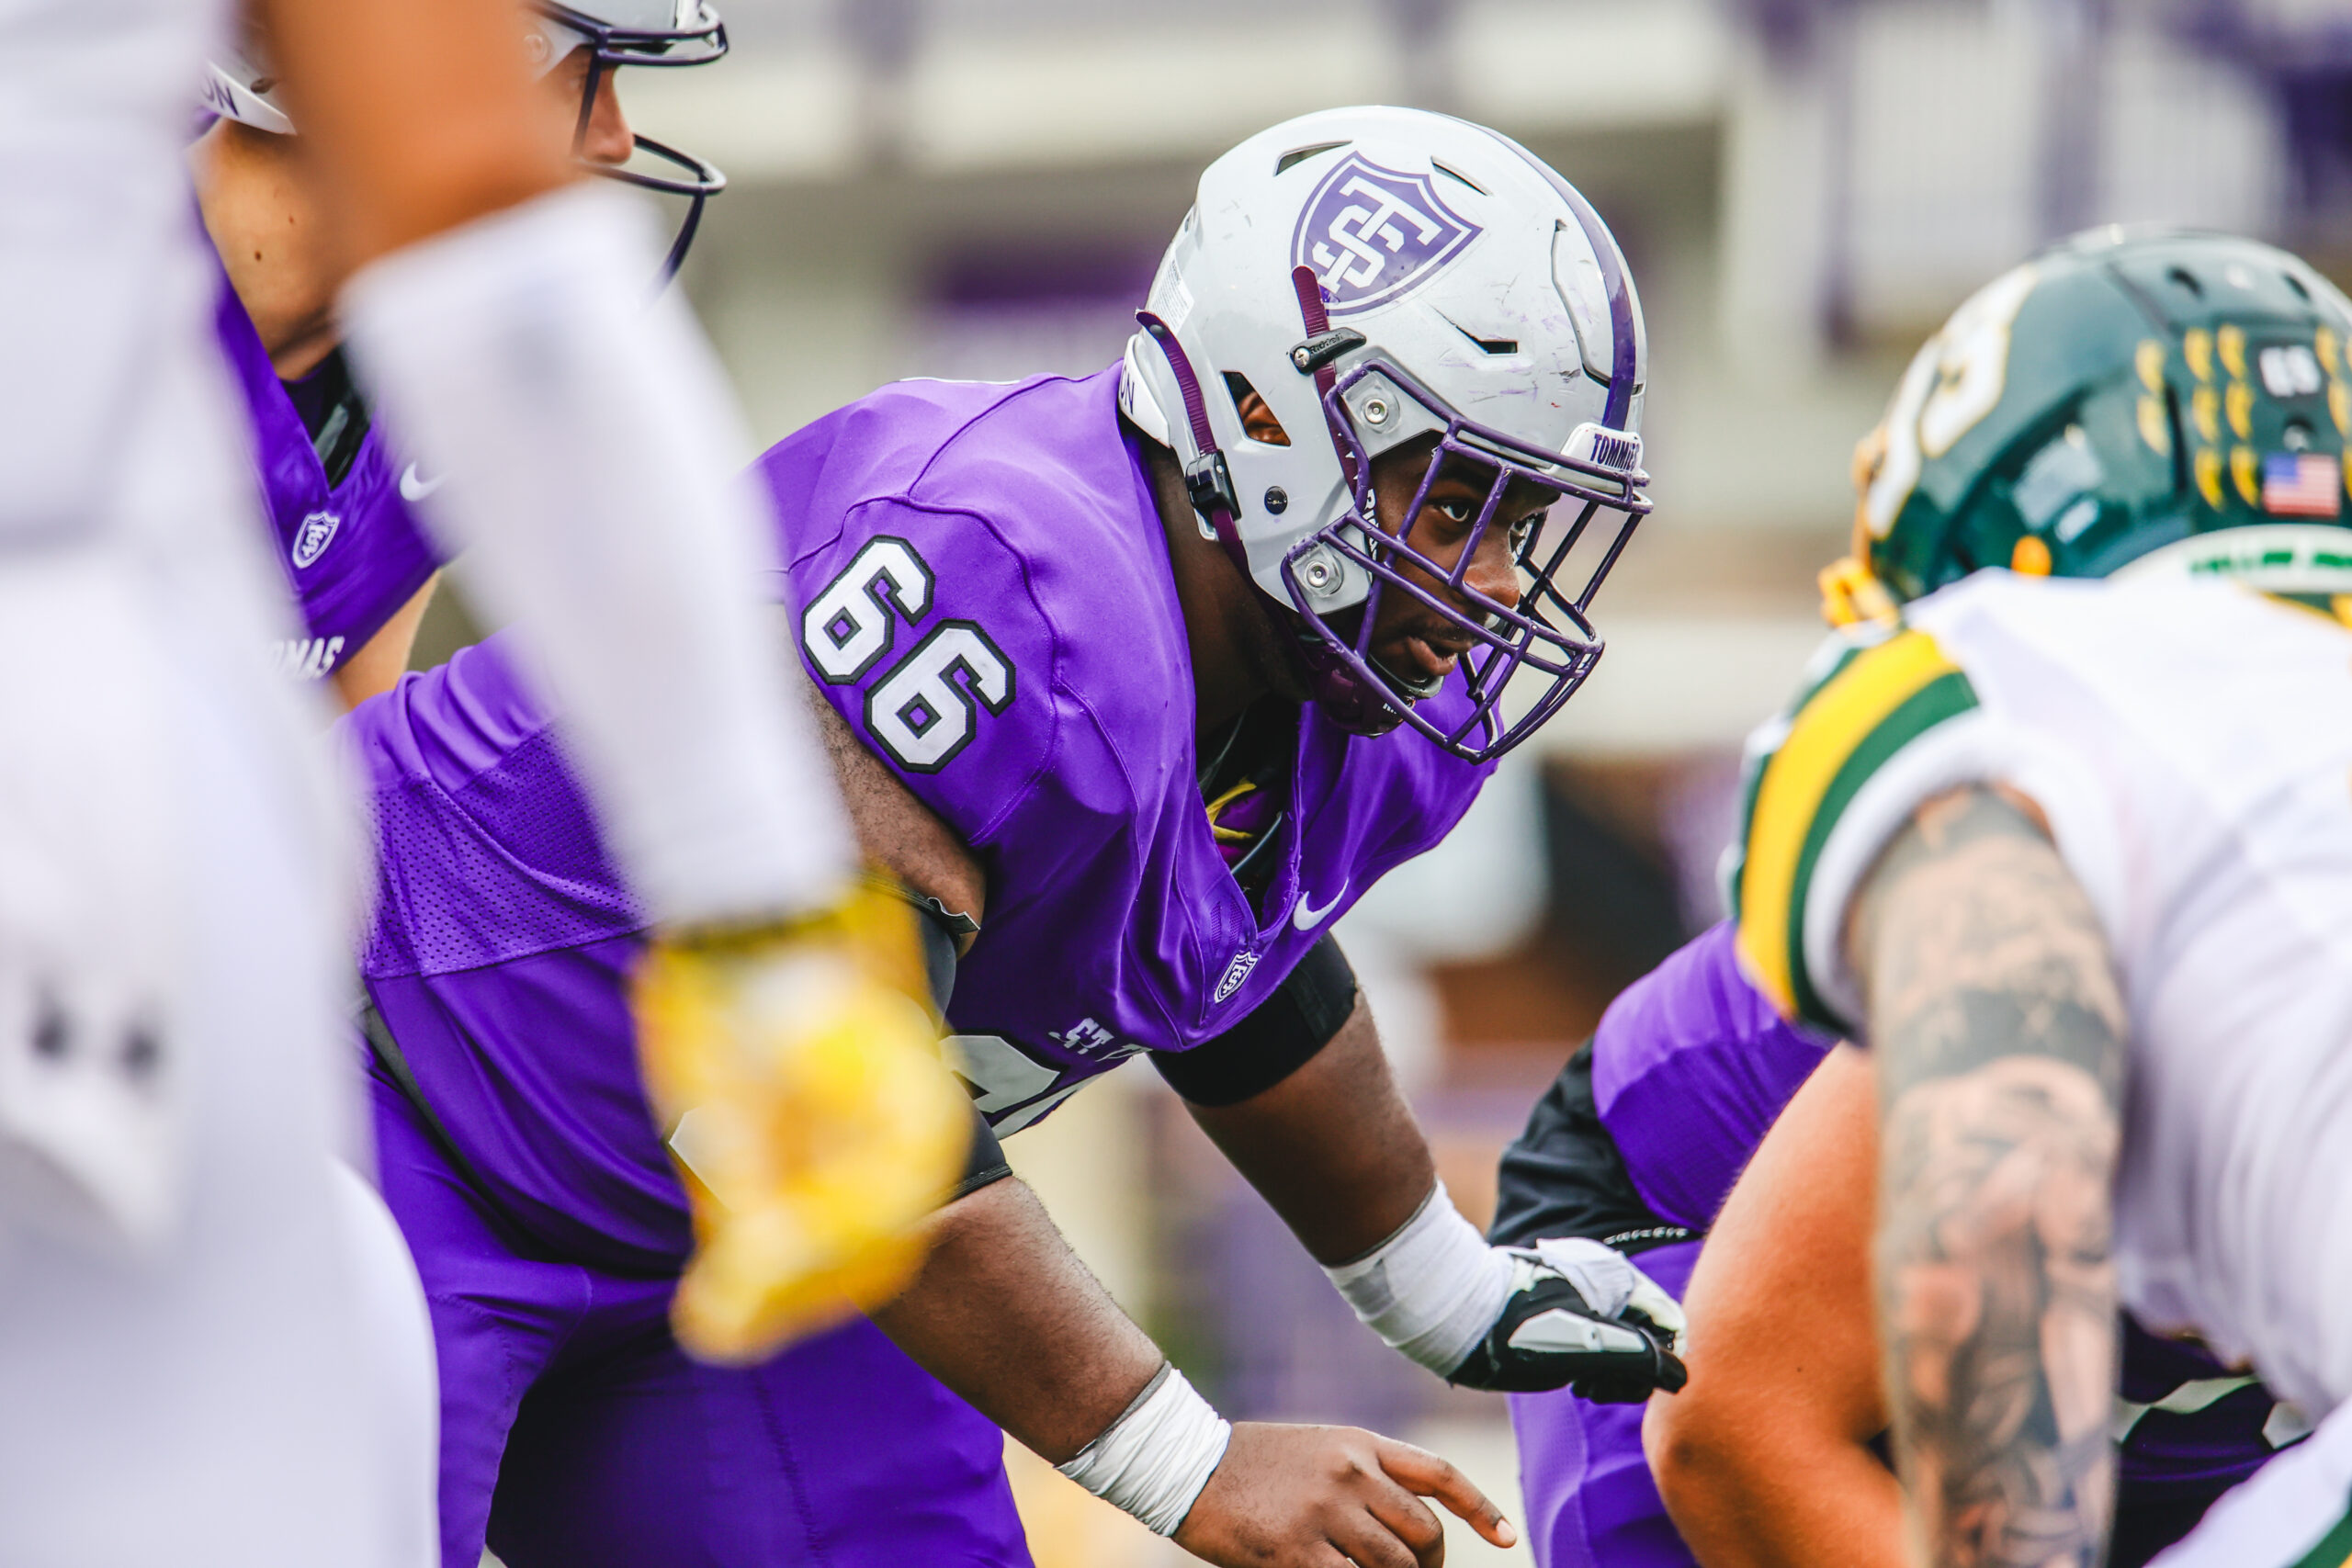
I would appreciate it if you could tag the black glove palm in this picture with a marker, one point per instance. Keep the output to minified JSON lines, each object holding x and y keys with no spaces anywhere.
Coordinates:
{"x":1549,"y":1337}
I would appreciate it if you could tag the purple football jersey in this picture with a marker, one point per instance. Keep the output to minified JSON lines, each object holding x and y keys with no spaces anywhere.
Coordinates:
{"x":984,"y":594}
{"x":353,"y":551}
{"x":1013,"y":526}
{"x":498,"y":955}
{"x":1690,"y":1067}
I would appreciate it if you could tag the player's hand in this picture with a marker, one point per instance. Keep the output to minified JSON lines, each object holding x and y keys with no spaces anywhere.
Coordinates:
{"x":815,"y":1121}
{"x":1579,"y":1316}
{"x":1323,"y":1497}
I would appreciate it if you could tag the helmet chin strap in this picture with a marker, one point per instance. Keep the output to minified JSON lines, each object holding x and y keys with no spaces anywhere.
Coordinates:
{"x":1208,"y":479}
{"x":1343,"y":696}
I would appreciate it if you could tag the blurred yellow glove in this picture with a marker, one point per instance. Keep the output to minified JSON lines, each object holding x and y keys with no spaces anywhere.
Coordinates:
{"x":817,"y":1126}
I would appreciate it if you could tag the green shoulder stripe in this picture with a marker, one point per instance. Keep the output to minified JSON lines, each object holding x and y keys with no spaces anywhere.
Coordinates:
{"x":2334,"y":1548}
{"x":1839,"y":650}
{"x":1877,"y":703}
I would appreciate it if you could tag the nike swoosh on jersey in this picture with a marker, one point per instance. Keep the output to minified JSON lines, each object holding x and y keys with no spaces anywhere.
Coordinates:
{"x":415,"y":489}
{"x":1306,"y":917}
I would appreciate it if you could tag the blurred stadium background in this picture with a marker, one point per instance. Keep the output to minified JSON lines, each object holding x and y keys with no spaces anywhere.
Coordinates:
{"x":981,"y":188}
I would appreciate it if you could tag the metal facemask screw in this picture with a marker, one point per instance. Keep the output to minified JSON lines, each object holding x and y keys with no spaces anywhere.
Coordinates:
{"x":1277,"y":500}
{"x":1375,"y":410}
{"x":1319,"y":573}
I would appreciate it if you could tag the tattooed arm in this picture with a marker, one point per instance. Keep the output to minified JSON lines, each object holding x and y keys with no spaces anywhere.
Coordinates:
{"x":1997,"y":1030}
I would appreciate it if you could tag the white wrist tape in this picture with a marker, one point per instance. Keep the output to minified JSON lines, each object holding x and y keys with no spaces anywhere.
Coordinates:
{"x":1154,"y":1459}
{"x":584,"y":450}
{"x":1432,"y":1289}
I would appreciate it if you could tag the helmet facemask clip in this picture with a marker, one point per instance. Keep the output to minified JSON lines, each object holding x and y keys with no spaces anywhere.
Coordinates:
{"x":1323,"y":348}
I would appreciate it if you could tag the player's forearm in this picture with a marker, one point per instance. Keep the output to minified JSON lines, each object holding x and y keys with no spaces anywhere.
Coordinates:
{"x":1333,"y":1147}
{"x":1004,"y":1314}
{"x":1759,"y":1489}
{"x":1763,"y":1460}
{"x":588,"y":443}
{"x":1997,"y":1029}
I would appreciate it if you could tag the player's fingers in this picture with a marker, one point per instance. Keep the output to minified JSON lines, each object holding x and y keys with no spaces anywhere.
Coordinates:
{"x":1408,"y":1518}
{"x":1421,"y":1472}
{"x":1369,"y":1543}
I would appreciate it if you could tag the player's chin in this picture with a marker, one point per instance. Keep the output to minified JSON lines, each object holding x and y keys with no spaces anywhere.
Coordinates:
{"x":1416,"y":662}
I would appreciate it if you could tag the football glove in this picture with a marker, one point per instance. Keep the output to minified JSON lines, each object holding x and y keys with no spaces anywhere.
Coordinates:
{"x":1579,"y":1314}
{"x":807,"y":1103}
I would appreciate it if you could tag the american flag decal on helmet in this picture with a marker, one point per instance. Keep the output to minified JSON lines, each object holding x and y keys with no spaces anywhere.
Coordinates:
{"x":1372,"y":235}
{"x":2302,"y":484}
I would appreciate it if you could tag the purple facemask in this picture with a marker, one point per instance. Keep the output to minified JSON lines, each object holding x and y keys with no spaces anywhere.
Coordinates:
{"x":1548,"y":631}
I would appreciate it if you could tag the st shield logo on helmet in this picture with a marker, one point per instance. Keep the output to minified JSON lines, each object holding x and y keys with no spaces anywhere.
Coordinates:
{"x":1373,"y":235}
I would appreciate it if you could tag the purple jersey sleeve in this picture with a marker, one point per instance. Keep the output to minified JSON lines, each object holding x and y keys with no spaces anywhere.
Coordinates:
{"x":981,"y":590}
{"x":352,"y":550}
{"x":499,"y":954}
{"x":1690,"y":1067}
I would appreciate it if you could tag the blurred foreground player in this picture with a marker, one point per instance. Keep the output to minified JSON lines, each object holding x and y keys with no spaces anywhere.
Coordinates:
{"x":361,"y":566}
{"x":1639,"y":1141}
{"x":341,"y":501}
{"x":178,"y":1347}
{"x":775,"y":999}
{"x":2075,"y":862}
{"x":1073,"y":722}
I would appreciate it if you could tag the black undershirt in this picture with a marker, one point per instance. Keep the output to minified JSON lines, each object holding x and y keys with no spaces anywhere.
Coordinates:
{"x":333,"y":412}
{"x":1257,"y":748}
{"x":1563,"y":1176}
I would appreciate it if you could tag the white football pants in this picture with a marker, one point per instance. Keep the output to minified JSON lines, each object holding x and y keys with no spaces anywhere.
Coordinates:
{"x":190,"y":1370}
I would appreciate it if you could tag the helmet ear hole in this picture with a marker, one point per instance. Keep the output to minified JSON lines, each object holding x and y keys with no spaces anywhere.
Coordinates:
{"x":1258,"y":421}
{"x":1298,"y":156}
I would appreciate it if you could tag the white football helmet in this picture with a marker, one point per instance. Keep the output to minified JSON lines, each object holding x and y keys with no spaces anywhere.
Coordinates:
{"x":240,"y":84}
{"x":1378,"y":277}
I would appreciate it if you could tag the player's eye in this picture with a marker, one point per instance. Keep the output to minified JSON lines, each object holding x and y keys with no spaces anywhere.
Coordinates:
{"x":1524,"y":529}
{"x":1456,"y":511}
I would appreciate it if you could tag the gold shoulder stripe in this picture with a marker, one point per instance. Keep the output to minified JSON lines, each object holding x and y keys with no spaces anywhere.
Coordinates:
{"x":1790,"y":795}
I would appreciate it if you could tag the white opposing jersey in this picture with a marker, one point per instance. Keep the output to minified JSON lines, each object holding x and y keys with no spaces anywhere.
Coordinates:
{"x":2191,"y":746}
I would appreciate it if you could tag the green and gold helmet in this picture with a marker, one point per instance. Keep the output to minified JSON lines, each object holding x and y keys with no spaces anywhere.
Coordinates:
{"x":2149,"y":403}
